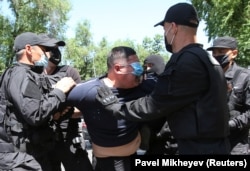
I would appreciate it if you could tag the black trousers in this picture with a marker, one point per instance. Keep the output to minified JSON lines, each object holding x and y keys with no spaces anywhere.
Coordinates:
{"x":204,"y":146}
{"x":72,"y":159}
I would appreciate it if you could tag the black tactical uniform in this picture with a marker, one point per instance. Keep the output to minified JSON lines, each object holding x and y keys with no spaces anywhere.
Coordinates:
{"x":238,"y":79}
{"x":31,"y":105}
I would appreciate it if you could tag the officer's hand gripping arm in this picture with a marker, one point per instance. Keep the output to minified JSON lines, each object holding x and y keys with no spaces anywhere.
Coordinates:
{"x":105,"y":96}
{"x":109,"y":101}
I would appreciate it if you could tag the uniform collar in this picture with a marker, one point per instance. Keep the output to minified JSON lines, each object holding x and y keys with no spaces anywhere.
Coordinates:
{"x":192,"y":45}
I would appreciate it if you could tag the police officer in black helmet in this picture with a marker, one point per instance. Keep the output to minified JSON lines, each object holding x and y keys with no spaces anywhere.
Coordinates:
{"x":225,"y":51}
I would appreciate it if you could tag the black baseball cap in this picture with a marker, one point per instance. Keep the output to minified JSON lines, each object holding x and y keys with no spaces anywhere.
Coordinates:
{"x":30,"y":38}
{"x":182,"y":14}
{"x":49,"y":38}
{"x":224,"y":42}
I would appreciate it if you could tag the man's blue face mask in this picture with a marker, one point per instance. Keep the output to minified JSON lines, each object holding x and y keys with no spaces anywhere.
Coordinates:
{"x":138,"y":69}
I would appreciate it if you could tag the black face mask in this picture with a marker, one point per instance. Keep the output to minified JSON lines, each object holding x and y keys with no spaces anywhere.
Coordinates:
{"x":167,"y":45}
{"x":223,"y":60}
{"x":55,"y":56}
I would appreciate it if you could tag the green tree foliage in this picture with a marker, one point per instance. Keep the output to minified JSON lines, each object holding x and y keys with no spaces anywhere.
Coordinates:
{"x":34,"y":15}
{"x":227,"y":17}
{"x":154,"y":46}
{"x":6,"y":42}
{"x":80,"y":50}
{"x":91,"y":59}
{"x":101,"y":53}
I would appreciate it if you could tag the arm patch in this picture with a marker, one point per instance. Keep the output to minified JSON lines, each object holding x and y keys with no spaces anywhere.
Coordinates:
{"x":32,"y":91}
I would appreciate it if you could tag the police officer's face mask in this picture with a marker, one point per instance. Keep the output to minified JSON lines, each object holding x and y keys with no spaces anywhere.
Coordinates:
{"x":168,"y":46}
{"x":223,"y":60}
{"x":43,"y":62}
{"x":55,"y":56}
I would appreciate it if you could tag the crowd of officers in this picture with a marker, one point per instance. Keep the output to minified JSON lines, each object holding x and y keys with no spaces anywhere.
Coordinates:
{"x":42,"y":125}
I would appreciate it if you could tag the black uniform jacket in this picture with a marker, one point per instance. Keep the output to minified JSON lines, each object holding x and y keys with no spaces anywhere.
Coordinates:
{"x":33,"y":100}
{"x":191,"y":93}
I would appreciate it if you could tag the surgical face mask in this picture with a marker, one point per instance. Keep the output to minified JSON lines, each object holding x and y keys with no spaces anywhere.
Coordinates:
{"x":223,"y":60}
{"x":168,"y":46}
{"x":43,"y":61}
{"x":137,"y":69}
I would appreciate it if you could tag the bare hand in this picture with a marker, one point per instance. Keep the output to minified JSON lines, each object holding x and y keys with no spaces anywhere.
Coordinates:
{"x":65,"y":84}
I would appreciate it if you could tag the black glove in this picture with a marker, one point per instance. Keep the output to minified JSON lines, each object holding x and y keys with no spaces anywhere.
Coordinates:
{"x":105,"y":96}
{"x":110,"y":102}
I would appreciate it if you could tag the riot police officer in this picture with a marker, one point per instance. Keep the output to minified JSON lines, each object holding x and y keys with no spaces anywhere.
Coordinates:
{"x":31,"y":104}
{"x":225,"y":51}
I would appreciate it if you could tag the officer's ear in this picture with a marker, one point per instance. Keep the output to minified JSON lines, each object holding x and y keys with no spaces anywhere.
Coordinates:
{"x":28,"y":49}
{"x":234,"y":53}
